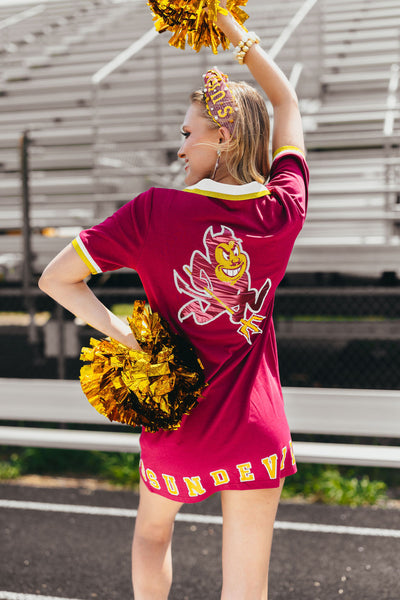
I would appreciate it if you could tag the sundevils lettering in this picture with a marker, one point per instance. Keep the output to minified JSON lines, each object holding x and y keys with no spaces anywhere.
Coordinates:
{"x":219,"y":283}
{"x":194,"y":485}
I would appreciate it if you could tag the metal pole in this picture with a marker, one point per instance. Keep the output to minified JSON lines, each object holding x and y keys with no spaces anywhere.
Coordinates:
{"x":61,"y":342}
{"x":96,"y":144}
{"x":27,"y":270}
{"x":158,"y":88}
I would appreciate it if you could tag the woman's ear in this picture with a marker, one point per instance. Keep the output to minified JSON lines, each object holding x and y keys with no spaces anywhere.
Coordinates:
{"x":224,"y":135}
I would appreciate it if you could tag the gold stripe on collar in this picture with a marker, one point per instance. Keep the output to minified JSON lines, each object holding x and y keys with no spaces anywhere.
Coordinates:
{"x":227,"y":191}
{"x":228,"y":196}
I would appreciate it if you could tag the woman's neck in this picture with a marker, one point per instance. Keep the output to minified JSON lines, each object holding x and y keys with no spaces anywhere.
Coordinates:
{"x":222,"y":175}
{"x":227,"y":179}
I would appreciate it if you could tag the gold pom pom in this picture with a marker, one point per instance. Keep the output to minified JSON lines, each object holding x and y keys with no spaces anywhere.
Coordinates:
{"x":154,"y":387}
{"x":190,"y":22}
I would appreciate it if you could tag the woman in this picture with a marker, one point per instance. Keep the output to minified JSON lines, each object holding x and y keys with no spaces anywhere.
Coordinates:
{"x":210,"y":258}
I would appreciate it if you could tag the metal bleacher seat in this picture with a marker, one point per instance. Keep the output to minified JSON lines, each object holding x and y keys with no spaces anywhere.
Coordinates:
{"x":48,"y":89}
{"x":351,"y":135}
{"x":79,"y":132}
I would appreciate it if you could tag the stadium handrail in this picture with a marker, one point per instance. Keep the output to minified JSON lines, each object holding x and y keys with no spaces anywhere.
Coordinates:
{"x":101,"y":75}
{"x":319,"y":411}
{"x":22,"y":16}
{"x":291,"y":27}
{"x":123,"y":56}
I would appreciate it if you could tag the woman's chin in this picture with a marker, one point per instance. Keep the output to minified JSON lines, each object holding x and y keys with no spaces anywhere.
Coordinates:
{"x":190,"y":180}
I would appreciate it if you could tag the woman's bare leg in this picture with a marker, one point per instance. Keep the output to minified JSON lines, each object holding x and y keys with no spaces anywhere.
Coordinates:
{"x":151,"y":547}
{"x":248,"y":521}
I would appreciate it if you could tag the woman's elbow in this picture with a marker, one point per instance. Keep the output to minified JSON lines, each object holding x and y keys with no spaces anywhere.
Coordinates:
{"x":50,"y":279}
{"x":66,"y":269}
{"x":45,"y":282}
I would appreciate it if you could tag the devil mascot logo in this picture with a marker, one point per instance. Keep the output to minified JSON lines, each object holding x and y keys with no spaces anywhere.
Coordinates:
{"x":218,"y":282}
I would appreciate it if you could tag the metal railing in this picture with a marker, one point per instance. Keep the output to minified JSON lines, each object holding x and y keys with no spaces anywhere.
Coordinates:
{"x":291,"y":27}
{"x":24,"y":15}
{"x":123,"y":56}
{"x":97,"y":80}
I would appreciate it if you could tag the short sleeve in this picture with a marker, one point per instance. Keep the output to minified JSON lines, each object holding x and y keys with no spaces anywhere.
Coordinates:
{"x":118,"y":241}
{"x":288,"y":181}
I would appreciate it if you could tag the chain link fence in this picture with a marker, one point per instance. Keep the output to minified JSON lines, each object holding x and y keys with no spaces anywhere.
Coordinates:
{"x":339,"y":337}
{"x":327,"y":337}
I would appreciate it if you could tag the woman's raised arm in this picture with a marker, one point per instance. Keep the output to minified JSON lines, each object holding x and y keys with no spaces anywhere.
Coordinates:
{"x":287,"y":130}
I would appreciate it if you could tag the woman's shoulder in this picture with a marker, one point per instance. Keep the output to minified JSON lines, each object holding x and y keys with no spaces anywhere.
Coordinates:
{"x":289,"y":158}
{"x":284,"y":151}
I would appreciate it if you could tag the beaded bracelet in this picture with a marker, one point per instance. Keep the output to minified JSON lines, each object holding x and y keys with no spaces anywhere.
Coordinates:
{"x":244,"y":46}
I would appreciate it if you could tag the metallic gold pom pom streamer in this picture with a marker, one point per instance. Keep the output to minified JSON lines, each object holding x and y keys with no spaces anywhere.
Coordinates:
{"x":190,"y":22}
{"x":154,"y":387}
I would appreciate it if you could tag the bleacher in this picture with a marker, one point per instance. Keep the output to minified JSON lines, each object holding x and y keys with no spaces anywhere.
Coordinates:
{"x":352,"y":136}
{"x":94,"y":146}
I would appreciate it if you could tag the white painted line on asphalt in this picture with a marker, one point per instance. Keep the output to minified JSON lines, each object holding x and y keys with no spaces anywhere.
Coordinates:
{"x":338,"y":529}
{"x":193,"y":518}
{"x":14,"y":596}
{"x":69,"y":508}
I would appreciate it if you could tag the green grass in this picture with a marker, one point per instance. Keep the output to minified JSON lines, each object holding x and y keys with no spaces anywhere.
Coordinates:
{"x":10,"y":469}
{"x":332,"y":485}
{"x":316,"y":483}
{"x":118,"y":468}
{"x":122,"y":310}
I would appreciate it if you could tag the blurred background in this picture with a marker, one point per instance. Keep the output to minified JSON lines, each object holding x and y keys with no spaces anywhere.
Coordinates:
{"x":91,"y":102}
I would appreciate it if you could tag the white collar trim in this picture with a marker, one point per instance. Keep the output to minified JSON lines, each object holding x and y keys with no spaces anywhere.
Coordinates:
{"x":227,"y":189}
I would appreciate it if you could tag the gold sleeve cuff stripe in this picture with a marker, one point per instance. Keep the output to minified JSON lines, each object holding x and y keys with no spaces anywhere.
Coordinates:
{"x":287,"y":150}
{"x":212,"y":194}
{"x":85,"y":256}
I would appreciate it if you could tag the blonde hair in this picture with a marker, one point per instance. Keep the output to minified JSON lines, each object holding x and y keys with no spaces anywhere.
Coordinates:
{"x":247,"y":151}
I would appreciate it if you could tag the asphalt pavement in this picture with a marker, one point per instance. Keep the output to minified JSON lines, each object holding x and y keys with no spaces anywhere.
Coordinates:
{"x":74,"y":544}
